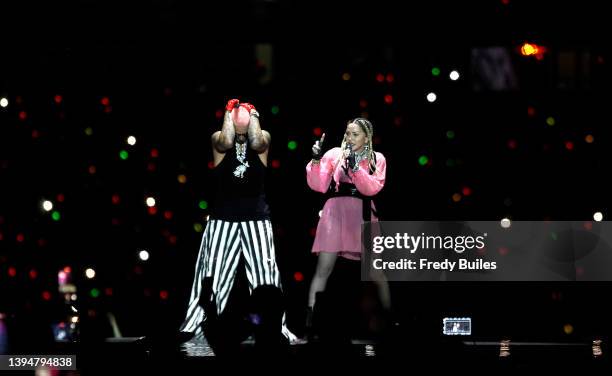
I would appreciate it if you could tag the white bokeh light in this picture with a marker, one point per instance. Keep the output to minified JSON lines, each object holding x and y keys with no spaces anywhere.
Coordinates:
{"x":143,"y":255}
{"x":90,"y":273}
{"x":506,"y":223}
{"x":47,"y":205}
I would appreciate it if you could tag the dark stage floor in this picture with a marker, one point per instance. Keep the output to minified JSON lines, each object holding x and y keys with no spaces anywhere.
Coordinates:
{"x":449,"y":353}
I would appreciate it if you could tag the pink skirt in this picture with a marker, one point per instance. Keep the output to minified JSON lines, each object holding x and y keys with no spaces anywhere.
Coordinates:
{"x":339,"y":228}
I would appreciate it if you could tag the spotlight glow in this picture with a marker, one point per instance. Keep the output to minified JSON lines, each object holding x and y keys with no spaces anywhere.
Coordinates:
{"x":431,"y":97}
{"x":598,"y":217}
{"x":454,"y":75}
{"x":131,"y":140}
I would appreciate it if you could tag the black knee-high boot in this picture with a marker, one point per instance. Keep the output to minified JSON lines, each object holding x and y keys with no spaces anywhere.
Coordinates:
{"x":308,"y":327}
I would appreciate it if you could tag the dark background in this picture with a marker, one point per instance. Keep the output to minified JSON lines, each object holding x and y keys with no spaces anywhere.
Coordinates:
{"x":167,"y":69}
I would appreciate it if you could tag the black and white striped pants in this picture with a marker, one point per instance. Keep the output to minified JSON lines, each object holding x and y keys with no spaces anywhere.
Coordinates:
{"x":223,"y":243}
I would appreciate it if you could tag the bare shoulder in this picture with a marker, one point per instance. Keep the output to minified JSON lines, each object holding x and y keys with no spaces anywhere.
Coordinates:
{"x":215,"y":136}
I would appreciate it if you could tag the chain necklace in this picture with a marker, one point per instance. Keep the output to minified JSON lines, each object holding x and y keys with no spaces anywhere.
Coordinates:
{"x":361,"y":156}
{"x":241,"y":156}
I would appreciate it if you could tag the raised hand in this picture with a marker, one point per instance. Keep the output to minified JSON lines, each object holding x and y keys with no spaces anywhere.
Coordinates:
{"x":231,"y":104}
{"x":317,"y":148}
{"x":249,"y":107}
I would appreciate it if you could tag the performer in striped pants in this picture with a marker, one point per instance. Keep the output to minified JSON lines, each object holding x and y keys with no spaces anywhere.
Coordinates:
{"x":222,"y":246}
{"x":239,"y":231}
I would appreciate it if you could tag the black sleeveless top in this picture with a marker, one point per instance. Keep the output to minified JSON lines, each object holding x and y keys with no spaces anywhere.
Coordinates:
{"x":240,"y":192}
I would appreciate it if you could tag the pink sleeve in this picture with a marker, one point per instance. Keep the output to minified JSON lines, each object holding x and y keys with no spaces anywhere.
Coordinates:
{"x":370,"y":185}
{"x":319,"y":175}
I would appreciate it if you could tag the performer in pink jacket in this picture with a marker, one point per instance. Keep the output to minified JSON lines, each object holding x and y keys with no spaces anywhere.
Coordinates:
{"x":349,"y":176}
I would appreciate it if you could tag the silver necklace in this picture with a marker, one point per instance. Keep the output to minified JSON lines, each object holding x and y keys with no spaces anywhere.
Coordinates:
{"x":241,"y":156}
{"x":361,"y":156}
